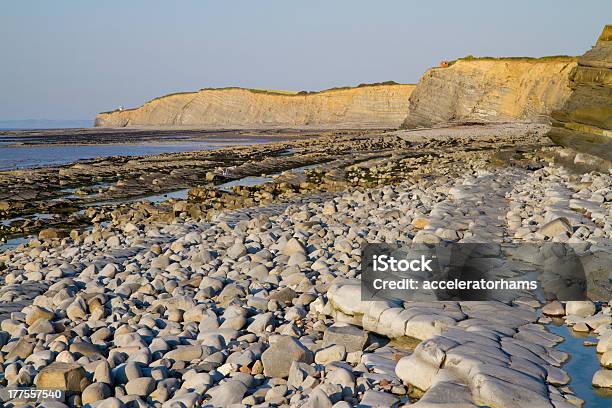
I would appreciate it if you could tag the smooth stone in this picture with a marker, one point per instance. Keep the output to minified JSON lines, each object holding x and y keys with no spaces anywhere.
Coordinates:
{"x":318,"y":399}
{"x":236,"y":251}
{"x":582,"y":308}
{"x":331,"y":353}
{"x":277,"y":359}
{"x":111,"y":402}
{"x":142,"y":386}
{"x":581,"y":327}
{"x":228,"y":393}
{"x":606,"y":359}
{"x":602,"y":378}
{"x":378,"y":399}
{"x":63,"y":376}
{"x":605,"y":343}
{"x":351,"y":337}
{"x":554,"y":308}
{"x":95,"y":392}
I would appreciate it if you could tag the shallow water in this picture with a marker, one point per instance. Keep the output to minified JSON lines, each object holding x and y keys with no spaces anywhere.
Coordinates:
{"x":581,"y":366}
{"x":32,"y":217}
{"x":15,"y":242}
{"x":154,"y":198}
{"x":158,"y":198}
{"x":251,"y":181}
{"x":19,"y":157}
{"x":248,"y":181}
{"x":70,"y":193}
{"x":304,"y":168}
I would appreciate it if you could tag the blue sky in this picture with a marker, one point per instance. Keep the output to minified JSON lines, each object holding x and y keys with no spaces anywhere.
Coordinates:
{"x":72,"y":59}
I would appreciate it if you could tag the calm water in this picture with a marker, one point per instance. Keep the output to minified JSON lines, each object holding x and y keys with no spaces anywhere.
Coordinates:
{"x":14,"y":242}
{"x":251,"y":181}
{"x":581,"y":366}
{"x":248,"y":181}
{"x":20,"y":157}
{"x":154,"y":198}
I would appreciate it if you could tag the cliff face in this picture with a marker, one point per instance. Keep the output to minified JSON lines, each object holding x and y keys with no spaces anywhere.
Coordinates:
{"x":584,"y":123}
{"x":488,"y":90}
{"x":365,"y":106}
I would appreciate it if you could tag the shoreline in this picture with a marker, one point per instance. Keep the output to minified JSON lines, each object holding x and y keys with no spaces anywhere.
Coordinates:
{"x":119,"y":173}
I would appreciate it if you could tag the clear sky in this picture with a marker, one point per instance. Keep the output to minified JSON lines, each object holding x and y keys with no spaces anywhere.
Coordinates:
{"x":71,"y":59}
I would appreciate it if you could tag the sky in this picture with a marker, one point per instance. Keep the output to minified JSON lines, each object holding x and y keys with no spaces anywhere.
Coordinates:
{"x":71,"y":59}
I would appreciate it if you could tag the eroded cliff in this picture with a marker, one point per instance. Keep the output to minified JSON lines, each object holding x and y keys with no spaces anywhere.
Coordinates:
{"x":490,"y":89}
{"x":377,"y":105}
{"x":584,"y":123}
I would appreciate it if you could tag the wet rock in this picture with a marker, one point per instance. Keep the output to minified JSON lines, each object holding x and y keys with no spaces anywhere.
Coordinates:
{"x":581,"y":327}
{"x":602,"y":378}
{"x":606,"y":359}
{"x":554,"y":309}
{"x":605,"y":343}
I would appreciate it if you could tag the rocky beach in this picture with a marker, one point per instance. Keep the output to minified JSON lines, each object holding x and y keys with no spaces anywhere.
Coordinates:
{"x":210,"y":248}
{"x":251,"y":296}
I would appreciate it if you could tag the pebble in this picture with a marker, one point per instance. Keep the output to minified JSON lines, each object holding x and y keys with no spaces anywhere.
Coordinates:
{"x":277,"y":359}
{"x":95,"y":392}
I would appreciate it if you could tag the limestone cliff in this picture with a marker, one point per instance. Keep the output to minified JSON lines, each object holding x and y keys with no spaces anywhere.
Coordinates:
{"x":584,"y":124}
{"x":376,"y":105}
{"x":490,"y":89}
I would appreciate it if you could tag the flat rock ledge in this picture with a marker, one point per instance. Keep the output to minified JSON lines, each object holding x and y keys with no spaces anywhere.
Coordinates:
{"x":471,"y":354}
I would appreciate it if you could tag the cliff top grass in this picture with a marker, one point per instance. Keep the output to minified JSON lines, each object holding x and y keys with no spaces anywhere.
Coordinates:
{"x":559,"y":58}
{"x":263,"y":91}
